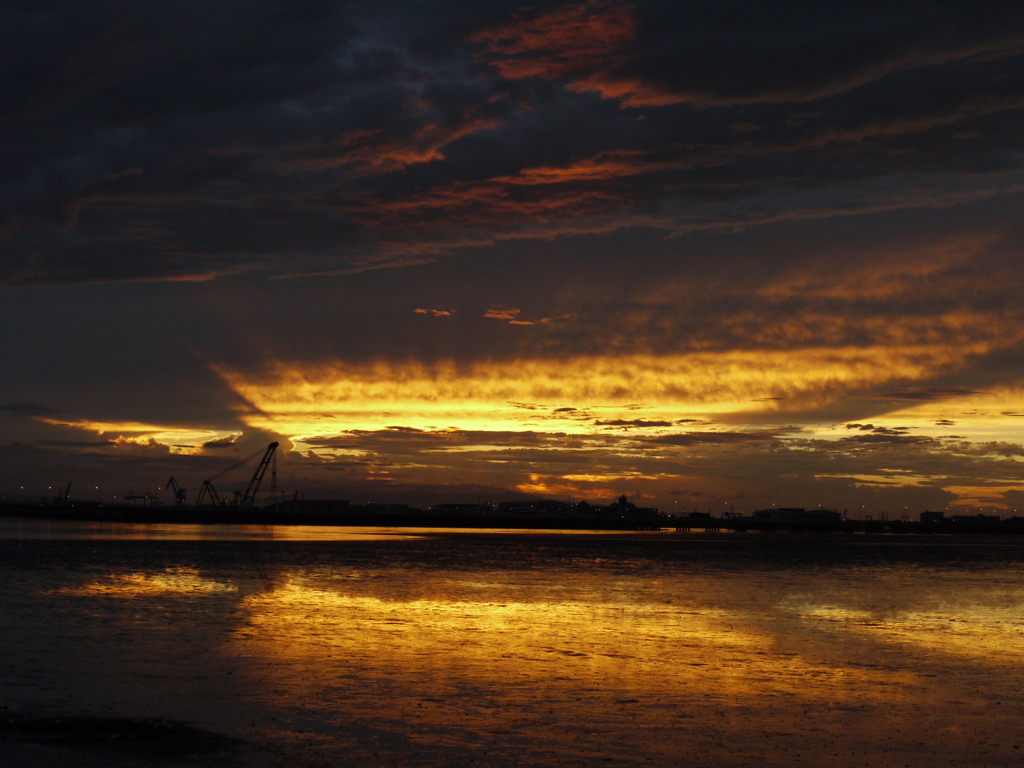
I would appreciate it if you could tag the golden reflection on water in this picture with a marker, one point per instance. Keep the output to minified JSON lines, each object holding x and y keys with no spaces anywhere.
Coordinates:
{"x":637,"y":649}
{"x":571,"y":654}
{"x":580,"y":672}
{"x":172,"y":581}
{"x":25,"y":529}
{"x":981,"y":633}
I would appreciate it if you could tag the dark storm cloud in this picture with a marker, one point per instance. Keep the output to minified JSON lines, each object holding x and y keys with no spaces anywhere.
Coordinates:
{"x":718,"y":438}
{"x":439,"y":461}
{"x":451,"y":454}
{"x":852,"y":471}
{"x":76,"y":443}
{"x":153,"y":140}
{"x":224,"y":442}
{"x":928,"y":393}
{"x":889,"y":437}
{"x":196,"y":140}
{"x":878,"y":430}
{"x":27,"y":409}
{"x":440,"y":439}
{"x":739,"y":51}
{"x":999,"y":448}
{"x":940,"y":467}
{"x":737,"y":188}
{"x":640,"y":423}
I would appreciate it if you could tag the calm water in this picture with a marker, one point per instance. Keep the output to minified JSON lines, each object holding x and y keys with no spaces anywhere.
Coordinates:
{"x":313,"y":646}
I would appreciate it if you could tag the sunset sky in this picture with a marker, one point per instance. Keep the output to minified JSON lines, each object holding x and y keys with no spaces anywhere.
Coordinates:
{"x":707,"y":255}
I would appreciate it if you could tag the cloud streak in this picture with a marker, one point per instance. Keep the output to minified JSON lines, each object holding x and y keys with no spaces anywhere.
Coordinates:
{"x":582,"y":247}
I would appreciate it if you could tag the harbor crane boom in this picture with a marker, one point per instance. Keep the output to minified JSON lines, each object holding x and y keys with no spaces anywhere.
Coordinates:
{"x":207,"y":491}
{"x":249,"y":498}
{"x":179,"y":492}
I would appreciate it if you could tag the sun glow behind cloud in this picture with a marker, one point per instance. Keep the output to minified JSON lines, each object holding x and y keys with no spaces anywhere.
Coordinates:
{"x":597,"y":426}
{"x":659,"y":250}
{"x":307,"y":400}
{"x":127,"y":433}
{"x":993,"y":416}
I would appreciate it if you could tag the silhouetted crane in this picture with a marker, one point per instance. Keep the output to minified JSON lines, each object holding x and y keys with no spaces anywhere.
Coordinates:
{"x":207,"y":491}
{"x":179,"y":492}
{"x":247,"y":499}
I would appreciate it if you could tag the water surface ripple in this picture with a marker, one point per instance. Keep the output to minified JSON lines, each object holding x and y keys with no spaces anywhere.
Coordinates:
{"x":378,"y":648}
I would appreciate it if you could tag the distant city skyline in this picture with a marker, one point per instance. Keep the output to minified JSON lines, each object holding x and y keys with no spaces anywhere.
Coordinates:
{"x":698,"y":255}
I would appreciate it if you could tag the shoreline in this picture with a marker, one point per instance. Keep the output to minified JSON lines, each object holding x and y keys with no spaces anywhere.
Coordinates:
{"x":419,"y":519}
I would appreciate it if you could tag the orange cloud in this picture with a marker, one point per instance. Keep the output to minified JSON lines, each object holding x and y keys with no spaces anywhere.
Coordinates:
{"x":590,"y":485}
{"x":564,"y":41}
{"x":502,"y":313}
{"x":572,"y":191}
{"x":587,"y":42}
{"x":512,"y":316}
{"x":631,"y":91}
{"x":897,"y":271}
{"x":371,"y":153}
{"x":484,"y":203}
{"x":539,"y":201}
{"x":608,"y":165}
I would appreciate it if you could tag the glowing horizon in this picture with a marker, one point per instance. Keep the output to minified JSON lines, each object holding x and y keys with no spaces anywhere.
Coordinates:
{"x":588,"y":248}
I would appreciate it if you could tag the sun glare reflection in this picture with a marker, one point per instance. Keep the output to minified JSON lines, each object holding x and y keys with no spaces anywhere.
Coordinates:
{"x":587,"y":641}
{"x":173,"y":581}
{"x":977,"y":630}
